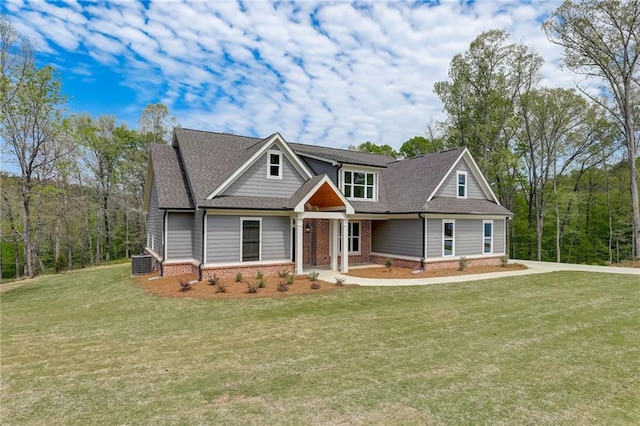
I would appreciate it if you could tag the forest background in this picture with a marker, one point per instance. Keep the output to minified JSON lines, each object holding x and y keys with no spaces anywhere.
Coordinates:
{"x":564,"y":161}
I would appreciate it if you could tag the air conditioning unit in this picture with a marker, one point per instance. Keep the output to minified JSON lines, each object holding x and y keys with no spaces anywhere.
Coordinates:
{"x":141,"y":264}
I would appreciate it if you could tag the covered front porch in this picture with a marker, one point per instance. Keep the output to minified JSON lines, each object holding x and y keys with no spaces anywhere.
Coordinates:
{"x":320,"y":201}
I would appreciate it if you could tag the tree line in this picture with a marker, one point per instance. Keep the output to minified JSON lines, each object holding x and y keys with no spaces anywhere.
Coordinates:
{"x":563,"y":160}
{"x":76,"y":196}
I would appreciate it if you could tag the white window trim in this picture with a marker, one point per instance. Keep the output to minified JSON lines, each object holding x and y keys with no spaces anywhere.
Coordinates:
{"x":484,"y":222}
{"x":453,"y":238}
{"x":375,"y":184}
{"x":466,"y":184}
{"x":350,"y":238}
{"x":280,"y":165}
{"x":242,"y":220}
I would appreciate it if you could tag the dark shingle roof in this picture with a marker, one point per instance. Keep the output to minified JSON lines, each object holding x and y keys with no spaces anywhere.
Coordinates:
{"x":343,"y":155}
{"x":201,"y":161}
{"x":209,"y":158}
{"x":171,"y":182}
{"x":464,"y":206}
{"x":409,"y":183}
{"x":244,"y":202}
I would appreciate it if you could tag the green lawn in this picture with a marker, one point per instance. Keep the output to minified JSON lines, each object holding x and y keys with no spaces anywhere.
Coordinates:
{"x":91,"y":347}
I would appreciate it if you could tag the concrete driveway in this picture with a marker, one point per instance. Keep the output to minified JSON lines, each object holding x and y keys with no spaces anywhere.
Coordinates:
{"x":534,"y":268}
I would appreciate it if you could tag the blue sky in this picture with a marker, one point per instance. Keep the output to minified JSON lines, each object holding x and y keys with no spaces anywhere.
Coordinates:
{"x":328,"y":73}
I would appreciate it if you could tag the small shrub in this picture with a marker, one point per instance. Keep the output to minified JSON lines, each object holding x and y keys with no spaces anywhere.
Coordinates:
{"x":315,"y":285}
{"x":313,"y":276}
{"x":252,"y":288}
{"x":504,"y":260}
{"x":388,"y":263}
{"x":213,"y":279}
{"x":221,"y":288}
{"x":284,"y":273}
{"x":283,"y":286}
{"x":239,"y":277}
{"x":261,"y":283}
{"x":259,"y":276}
{"x":340,"y":281}
{"x":289,"y":279}
{"x":462,"y":263}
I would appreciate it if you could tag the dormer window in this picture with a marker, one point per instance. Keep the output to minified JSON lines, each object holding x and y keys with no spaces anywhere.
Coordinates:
{"x":274,"y":164}
{"x":462,"y":184}
{"x":359,"y":185}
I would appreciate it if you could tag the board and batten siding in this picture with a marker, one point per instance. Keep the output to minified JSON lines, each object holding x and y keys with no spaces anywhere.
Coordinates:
{"x":155,"y":221}
{"x":179,"y":235}
{"x":254,"y":182}
{"x":224,"y":234}
{"x":322,"y":168}
{"x":402,"y":237}
{"x":468,"y":237}
{"x":450,"y":186}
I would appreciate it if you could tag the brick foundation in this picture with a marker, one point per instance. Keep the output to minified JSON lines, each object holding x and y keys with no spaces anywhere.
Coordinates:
{"x":400,"y":263}
{"x":249,"y":272}
{"x":453,"y":263}
{"x":174,"y":269}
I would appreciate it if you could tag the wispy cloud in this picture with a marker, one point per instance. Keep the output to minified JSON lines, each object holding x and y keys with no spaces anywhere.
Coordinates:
{"x":333,"y":73}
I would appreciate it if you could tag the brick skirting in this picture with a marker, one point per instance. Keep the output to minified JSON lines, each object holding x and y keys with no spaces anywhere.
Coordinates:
{"x":248,"y":272}
{"x":174,"y":269}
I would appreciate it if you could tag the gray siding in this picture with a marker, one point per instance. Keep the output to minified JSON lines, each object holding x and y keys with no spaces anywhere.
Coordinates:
{"x":276,"y":238}
{"x":223,"y":239}
{"x":321,"y":168}
{"x":197,"y":235}
{"x":434,"y":238}
{"x":224,"y":233}
{"x":179,"y":236}
{"x":468,"y":237}
{"x":155,"y":221}
{"x":254,"y":182}
{"x":499,"y":236}
{"x":402,"y":237}
{"x":450,"y":186}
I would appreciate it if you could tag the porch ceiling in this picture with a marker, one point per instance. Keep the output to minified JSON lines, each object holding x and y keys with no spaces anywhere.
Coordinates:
{"x":325,"y":197}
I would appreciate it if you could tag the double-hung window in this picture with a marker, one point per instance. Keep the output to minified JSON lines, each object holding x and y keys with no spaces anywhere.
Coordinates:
{"x":461,"y":179}
{"x":250,"y":239}
{"x":487,"y":236}
{"x":360,"y":185}
{"x":353,"y":242}
{"x":448,"y":237}
{"x":274,"y":164}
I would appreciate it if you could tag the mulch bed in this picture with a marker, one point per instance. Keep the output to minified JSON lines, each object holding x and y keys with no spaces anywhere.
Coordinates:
{"x":170,"y":287}
{"x":403,"y":273}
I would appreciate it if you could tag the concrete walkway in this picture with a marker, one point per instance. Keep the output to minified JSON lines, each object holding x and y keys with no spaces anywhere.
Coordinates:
{"x":534,"y":268}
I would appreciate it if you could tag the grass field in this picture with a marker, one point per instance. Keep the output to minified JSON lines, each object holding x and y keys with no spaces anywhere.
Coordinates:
{"x":91,"y":347}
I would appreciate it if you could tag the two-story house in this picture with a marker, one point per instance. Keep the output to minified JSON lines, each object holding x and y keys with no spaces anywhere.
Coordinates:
{"x":221,"y":203}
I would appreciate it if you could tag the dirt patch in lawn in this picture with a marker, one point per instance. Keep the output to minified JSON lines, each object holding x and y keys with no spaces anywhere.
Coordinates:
{"x":170,"y":287}
{"x":628,"y":264}
{"x":405,"y":273}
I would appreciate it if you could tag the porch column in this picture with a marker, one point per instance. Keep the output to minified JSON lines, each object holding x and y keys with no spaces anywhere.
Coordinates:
{"x":345,"y":246}
{"x":299,"y":246}
{"x":335,"y":226}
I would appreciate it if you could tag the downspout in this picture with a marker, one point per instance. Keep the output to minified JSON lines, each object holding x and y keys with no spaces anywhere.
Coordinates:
{"x":164,"y":243}
{"x":424,"y":245}
{"x":204,"y":218}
